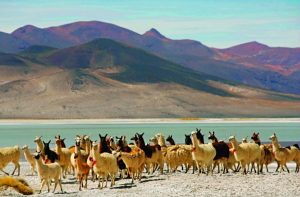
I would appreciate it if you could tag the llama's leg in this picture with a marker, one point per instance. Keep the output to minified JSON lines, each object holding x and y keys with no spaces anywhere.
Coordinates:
{"x":48,"y":185}
{"x":17,"y":166}
{"x":43,"y":183}
{"x":80,"y":182}
{"x":214,"y":165}
{"x":55,"y":185}
{"x":132,"y":176}
{"x":99,"y":179}
{"x":4,"y":172}
{"x":225,"y":166}
{"x":161,"y":166}
{"x":286,"y":168}
{"x":86,"y":178}
{"x":278,"y":166}
{"x":257,"y":165}
{"x":59,"y":183}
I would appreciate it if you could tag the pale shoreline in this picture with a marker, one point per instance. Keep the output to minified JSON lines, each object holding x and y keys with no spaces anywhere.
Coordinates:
{"x":148,"y":120}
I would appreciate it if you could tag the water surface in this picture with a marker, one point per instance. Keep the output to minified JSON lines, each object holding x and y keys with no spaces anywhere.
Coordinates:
{"x":11,"y":134}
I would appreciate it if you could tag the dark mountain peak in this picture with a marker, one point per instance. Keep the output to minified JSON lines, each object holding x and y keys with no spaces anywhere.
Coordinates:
{"x":25,"y":29}
{"x":246,"y":49}
{"x":153,"y":32}
{"x":255,"y":44}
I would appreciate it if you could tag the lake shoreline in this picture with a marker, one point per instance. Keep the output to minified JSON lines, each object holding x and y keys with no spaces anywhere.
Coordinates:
{"x":148,"y":120}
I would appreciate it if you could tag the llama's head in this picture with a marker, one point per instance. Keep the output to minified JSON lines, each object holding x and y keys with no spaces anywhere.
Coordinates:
{"x":212,"y":136}
{"x":95,"y":146}
{"x":38,"y":139}
{"x":25,"y":147}
{"x":37,"y":155}
{"x":47,"y":145}
{"x":273,"y":137}
{"x":232,"y":139}
{"x":200,"y":136}
{"x":153,"y":140}
{"x":188,"y":140}
{"x":255,"y":137}
{"x":244,"y":140}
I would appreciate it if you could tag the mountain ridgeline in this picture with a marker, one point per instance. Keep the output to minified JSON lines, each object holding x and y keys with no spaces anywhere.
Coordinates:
{"x":253,"y":64}
{"x":105,"y":78}
{"x":133,"y":65}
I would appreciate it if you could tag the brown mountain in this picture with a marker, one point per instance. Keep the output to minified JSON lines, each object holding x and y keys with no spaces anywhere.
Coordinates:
{"x":252,"y":63}
{"x":113,"y":80}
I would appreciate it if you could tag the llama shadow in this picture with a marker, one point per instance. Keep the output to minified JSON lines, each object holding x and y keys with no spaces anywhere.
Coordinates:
{"x":149,"y":180}
{"x":124,"y":186}
{"x":69,"y":181}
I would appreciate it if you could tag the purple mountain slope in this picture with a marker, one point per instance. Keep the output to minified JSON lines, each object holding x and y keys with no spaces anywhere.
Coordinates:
{"x":11,"y":44}
{"x":250,"y":63}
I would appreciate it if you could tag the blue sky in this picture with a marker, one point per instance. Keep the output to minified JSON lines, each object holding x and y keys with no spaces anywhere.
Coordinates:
{"x":216,"y":23}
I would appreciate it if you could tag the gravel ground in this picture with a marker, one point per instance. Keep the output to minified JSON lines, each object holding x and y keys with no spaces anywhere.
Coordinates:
{"x":179,"y":184}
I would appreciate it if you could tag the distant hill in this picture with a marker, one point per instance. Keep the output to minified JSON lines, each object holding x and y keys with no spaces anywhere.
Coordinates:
{"x":253,"y":63}
{"x":132,"y":65}
{"x":108,"y":79}
{"x":11,"y":44}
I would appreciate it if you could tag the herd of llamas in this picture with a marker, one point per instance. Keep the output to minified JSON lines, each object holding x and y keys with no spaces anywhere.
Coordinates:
{"x":112,"y":157}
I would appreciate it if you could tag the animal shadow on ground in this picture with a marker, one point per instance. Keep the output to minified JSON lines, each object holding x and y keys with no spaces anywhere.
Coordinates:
{"x":69,"y":181}
{"x":149,"y":180}
{"x":124,"y":186}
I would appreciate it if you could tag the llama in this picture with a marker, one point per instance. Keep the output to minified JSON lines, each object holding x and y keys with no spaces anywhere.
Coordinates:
{"x":29,"y":157}
{"x":64,"y":156}
{"x":282,"y":155}
{"x":82,"y":168}
{"x":246,"y":153}
{"x":203,"y":154}
{"x":222,"y":152}
{"x":153,"y":153}
{"x":10,"y":154}
{"x":267,"y":156}
{"x":47,"y":172}
{"x":50,"y":155}
{"x":103,"y":164}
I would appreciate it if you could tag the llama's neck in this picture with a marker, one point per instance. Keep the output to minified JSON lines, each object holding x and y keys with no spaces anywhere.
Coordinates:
{"x":39,"y":146}
{"x":58,"y":149}
{"x":172,"y":142}
{"x":27,"y":153}
{"x":275,"y":145}
{"x":40,"y":165}
{"x":88,"y":147}
{"x":195,"y":141}
{"x":235,"y":145}
{"x":258,"y":142}
{"x":161,"y":142}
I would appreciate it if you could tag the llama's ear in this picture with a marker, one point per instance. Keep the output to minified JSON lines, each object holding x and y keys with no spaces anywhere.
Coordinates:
{"x":100,"y":135}
{"x":49,"y":142}
{"x":213,"y":132}
{"x":142,"y":134}
{"x":258,"y":133}
{"x":209,"y":133}
{"x":105,"y":136}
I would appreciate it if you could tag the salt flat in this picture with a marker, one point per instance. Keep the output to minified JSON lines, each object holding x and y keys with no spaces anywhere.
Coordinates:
{"x":180,"y":184}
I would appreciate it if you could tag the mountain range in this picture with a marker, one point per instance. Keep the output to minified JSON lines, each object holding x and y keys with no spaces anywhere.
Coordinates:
{"x":100,"y":70}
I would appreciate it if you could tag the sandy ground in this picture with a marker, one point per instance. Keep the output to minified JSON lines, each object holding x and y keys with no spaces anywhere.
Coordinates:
{"x":179,"y":184}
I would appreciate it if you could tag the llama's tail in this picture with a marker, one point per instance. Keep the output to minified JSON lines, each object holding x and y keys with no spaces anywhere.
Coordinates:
{"x":19,"y":185}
